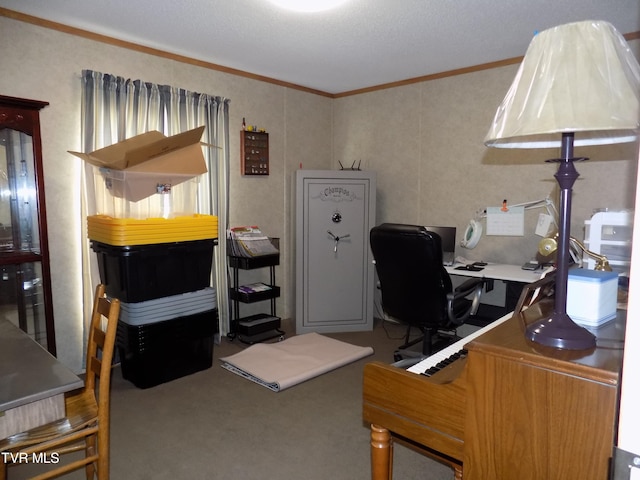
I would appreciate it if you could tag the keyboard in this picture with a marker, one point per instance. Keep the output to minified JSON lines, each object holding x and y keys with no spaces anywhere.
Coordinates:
{"x":453,"y":352}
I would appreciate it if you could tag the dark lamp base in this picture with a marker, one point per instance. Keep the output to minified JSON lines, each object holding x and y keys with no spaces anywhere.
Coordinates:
{"x":559,"y":331}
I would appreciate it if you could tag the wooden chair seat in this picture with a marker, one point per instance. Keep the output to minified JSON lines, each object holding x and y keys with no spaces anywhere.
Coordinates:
{"x":86,"y":424}
{"x":82,"y":411}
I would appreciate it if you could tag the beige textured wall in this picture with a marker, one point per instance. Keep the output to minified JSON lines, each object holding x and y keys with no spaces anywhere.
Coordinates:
{"x":44,"y":64}
{"x":423,"y":140}
{"x":426,"y":143}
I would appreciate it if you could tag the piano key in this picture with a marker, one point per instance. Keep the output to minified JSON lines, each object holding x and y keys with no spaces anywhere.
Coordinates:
{"x":456,"y":356}
{"x":447,"y":352}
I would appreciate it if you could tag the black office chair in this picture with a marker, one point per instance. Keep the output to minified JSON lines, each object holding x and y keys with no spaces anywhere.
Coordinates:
{"x":416,"y":289}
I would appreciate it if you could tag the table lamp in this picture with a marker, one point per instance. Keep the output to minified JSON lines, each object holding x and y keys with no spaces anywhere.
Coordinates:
{"x":578,"y":84}
{"x":549,"y":245}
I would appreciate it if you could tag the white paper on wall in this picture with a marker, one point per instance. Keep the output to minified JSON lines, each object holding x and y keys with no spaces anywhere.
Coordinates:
{"x":508,"y":223}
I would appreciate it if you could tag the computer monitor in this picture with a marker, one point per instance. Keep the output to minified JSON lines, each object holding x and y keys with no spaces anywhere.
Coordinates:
{"x":448,"y":238}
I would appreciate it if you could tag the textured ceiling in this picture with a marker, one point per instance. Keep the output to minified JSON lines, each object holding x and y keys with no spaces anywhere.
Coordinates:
{"x":363,"y":43}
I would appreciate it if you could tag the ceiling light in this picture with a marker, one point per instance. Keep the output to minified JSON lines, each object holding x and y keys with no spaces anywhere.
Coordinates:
{"x":308,"y":5}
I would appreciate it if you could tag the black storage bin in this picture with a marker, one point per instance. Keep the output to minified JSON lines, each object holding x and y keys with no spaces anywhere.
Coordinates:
{"x":145,"y":272}
{"x":159,"y":352}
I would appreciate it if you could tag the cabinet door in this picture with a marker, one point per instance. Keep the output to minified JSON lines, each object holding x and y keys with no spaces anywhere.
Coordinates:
{"x":334,"y":271}
{"x":25,"y":287}
{"x":540,"y":413}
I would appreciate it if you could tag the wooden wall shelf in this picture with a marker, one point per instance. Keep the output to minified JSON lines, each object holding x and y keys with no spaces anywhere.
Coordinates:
{"x":254,"y":153}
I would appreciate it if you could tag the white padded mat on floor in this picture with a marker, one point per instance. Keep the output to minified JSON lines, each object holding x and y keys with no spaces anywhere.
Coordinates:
{"x":284,"y":364}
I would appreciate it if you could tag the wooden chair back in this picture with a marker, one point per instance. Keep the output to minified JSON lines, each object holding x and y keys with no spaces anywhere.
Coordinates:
{"x":101,"y":344}
{"x":100,"y":349}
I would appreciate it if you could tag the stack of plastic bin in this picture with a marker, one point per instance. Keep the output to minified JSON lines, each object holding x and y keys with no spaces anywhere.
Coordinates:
{"x":152,"y":249}
{"x":160,"y":269}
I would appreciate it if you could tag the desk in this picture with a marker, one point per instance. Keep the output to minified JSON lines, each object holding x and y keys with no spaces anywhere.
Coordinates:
{"x":499,"y":271}
{"x":501,"y":294}
{"x":32,"y":382}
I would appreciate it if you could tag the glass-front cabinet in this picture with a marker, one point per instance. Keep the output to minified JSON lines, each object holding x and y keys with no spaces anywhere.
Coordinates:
{"x":25,"y":285}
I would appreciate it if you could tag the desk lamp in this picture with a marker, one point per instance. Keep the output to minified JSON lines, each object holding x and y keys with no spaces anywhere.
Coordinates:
{"x":578,"y":84}
{"x":548,"y":246}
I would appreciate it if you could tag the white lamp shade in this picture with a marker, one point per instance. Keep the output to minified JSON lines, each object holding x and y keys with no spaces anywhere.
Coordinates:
{"x":580,"y":77}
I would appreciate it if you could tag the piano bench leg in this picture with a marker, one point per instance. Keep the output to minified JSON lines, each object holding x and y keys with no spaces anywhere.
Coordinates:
{"x":381,"y":453}
{"x":457,"y":471}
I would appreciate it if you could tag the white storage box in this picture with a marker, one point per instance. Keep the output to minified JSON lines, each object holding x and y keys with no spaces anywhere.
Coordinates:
{"x":592,"y":296}
{"x":172,"y":195}
{"x":610,"y":234}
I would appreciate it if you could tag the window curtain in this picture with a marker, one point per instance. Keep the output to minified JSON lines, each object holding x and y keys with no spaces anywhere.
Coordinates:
{"x":114,"y":109}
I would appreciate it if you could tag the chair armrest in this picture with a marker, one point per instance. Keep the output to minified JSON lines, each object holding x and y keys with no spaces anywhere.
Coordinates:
{"x":472,"y":286}
{"x":468,"y":287}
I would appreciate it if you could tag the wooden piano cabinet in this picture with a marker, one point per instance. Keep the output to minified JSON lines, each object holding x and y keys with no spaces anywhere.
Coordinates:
{"x":426,"y":411}
{"x":536,"y":413}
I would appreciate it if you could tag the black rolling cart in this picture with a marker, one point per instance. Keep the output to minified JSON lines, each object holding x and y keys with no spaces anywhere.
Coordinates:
{"x":262,"y":326}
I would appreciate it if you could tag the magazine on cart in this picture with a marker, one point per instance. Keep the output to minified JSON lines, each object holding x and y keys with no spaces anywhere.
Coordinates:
{"x":249,"y":241}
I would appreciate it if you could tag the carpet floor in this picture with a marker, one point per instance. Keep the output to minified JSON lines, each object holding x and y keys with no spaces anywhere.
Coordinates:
{"x":216,"y":425}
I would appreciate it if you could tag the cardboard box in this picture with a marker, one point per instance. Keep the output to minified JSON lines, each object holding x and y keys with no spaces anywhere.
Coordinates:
{"x":149,"y":163}
{"x":592,"y":296}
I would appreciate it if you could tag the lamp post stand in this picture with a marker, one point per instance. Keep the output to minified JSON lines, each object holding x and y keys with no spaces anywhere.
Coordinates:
{"x":558,"y":330}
